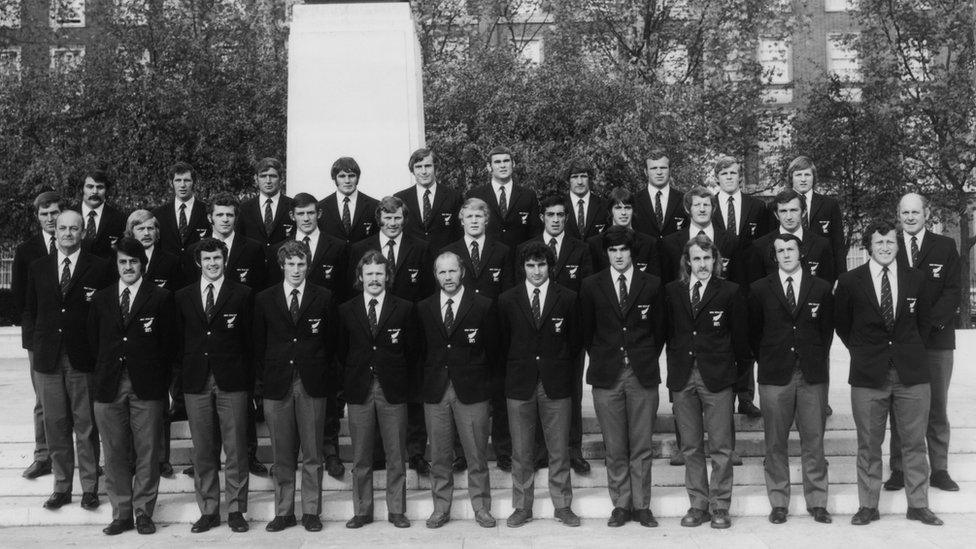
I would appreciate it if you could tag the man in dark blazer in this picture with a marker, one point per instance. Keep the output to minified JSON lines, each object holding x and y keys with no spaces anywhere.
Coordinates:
{"x":217,"y":372}
{"x":434,"y":205}
{"x":132,"y":334}
{"x":586,"y":212}
{"x":488,"y":272}
{"x":741,"y":216}
{"x":572,"y":264}
{"x":266,"y":217}
{"x":818,"y":259}
{"x":881,"y":314}
{"x":103,"y":222}
{"x":540,"y":337}
{"x":791,"y":319}
{"x":623,"y":332}
{"x":707,"y":340}
{"x":823,"y":216}
{"x":936,"y":256}
{"x":326,"y":268}
{"x":700,"y":204}
{"x":378,"y":353}
{"x":294,"y":333}
{"x":47,"y":208}
{"x":347,"y":214}
{"x":658,"y":211}
{"x":60,"y":287}
{"x":513,"y":209}
{"x":645,"y":253}
{"x":461,"y":335}
{"x":183,"y":220}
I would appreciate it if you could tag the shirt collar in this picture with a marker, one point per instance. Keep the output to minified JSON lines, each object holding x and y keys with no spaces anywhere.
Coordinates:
{"x":876,"y":268}
{"x":546,"y":237}
{"x":628,"y":274}
{"x":216,"y":283}
{"x":288,"y":288}
{"x":797,"y":277}
{"x":313,"y":236}
{"x":574,"y":198}
{"x":379,"y":300}
{"x":918,"y":236}
{"x":724,"y":196}
{"x":693,"y":231}
{"x":543,"y":289}
{"x":98,"y":211}
{"x":456,"y":297}
{"x":189,"y":205}
{"x":497,"y":185}
{"x":352,"y":197}
{"x":133,"y":289}
{"x":421,"y":190}
{"x":73,"y":257}
{"x":693,"y":279}
{"x":384,"y":240}
{"x":798,"y":233}
{"x":481,"y":242}
{"x":149,"y":254}
{"x":665,"y":191}
{"x":229,"y":241}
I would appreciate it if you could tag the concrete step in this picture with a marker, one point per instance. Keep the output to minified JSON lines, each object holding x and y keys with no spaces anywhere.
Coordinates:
{"x":750,"y":473}
{"x":590,"y":503}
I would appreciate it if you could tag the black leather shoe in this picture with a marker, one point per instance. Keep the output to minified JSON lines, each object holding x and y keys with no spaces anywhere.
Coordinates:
{"x":646,"y":518}
{"x":237,"y":522}
{"x":204,"y":523}
{"x":778,"y":515}
{"x":566,"y":516}
{"x":281,"y":522}
{"x":312,"y":523}
{"x":895,"y":482}
{"x":358,"y":521}
{"x":177,"y":412}
{"x":720,"y":519}
{"x":504,"y":463}
{"x":334,"y":467}
{"x":89,"y":501}
{"x":942,"y":481}
{"x":37,"y":469}
{"x":145,"y":525}
{"x":57,"y":500}
{"x":924,"y":515}
{"x":118,"y":526}
{"x":99,"y":471}
{"x":749,"y":410}
{"x":460,"y":464}
{"x":166,"y":469}
{"x":421,"y":465}
{"x":519,"y":517}
{"x":830,"y":411}
{"x":189,"y":471}
{"x":541,"y":463}
{"x":865,"y":515}
{"x":820,"y":514}
{"x":695,"y":517}
{"x":618,"y":517}
{"x":484,"y":519}
{"x":256,"y":467}
{"x":436,"y":520}
{"x":677,"y":459}
{"x":379,"y":465}
{"x":736,"y":459}
{"x":580,"y":466}
{"x":398,"y":520}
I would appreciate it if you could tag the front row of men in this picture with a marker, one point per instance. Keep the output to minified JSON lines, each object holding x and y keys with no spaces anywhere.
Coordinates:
{"x":446,"y":351}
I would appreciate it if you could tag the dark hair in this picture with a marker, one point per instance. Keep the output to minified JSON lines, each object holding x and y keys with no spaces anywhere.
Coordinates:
{"x":373,"y":257}
{"x":723,"y":162}
{"x":534,"y":249}
{"x":209,"y":244}
{"x":880,"y":226}
{"x":417,"y":156}
{"x":551,"y":200}
{"x":345,"y":164}
{"x":224,"y":199}
{"x":699,"y":192}
{"x":292,"y":248}
{"x":266,"y":163}
{"x":181,"y":167}
{"x":786,"y":196}
{"x":618,"y":236}
{"x":302,"y":200}
{"x":785,"y":237}
{"x":707,"y":245}
{"x":801,"y":163}
{"x":99,"y":175}
{"x":579,"y":166}
{"x":620,"y":195}
{"x":390,"y":204}
{"x":658,"y":153}
{"x":133,"y":248}
{"x":499,"y":150}
{"x":46,"y":198}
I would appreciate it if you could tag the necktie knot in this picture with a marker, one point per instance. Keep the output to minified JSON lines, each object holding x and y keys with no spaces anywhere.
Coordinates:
{"x":450,"y":302}
{"x":536,"y":292}
{"x":210,"y":287}
{"x":701,"y":232}
{"x":67,"y":262}
{"x":789,"y":279}
{"x":580,"y":202}
{"x":884,"y":269}
{"x":125,"y":292}
{"x":391,"y":243}
{"x":91,"y":214}
{"x":182,"y":208}
{"x":345,"y":200}
{"x":373,"y":302}
{"x":308,"y":241}
{"x":698,"y":284}
{"x":427,"y":193}
{"x":268,"y":202}
{"x":294,"y":292}
{"x":622,"y":279}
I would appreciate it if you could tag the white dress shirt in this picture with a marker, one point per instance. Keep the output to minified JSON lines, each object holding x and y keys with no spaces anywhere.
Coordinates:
{"x":498,"y":186}
{"x":420,"y":197}
{"x":908,"y":244}
{"x":797,"y":278}
{"x":340,"y":198}
{"x":189,"y":209}
{"x":313,"y":241}
{"x":574,"y":204}
{"x":288,"y":288}
{"x":385,"y":247}
{"x":546,"y":237}
{"x":481,"y":244}
{"x":693,"y":231}
{"x":628,"y":278}
{"x":543,"y":291}
{"x":274,"y":205}
{"x":379,"y":303}
{"x":723,"y":205}
{"x":98,"y":215}
{"x":71,"y":267}
{"x":691,"y":286}
{"x":203,"y":289}
{"x":665,"y":192}
{"x":876,"y":272}
{"x":133,"y":290}
{"x":455,"y":301}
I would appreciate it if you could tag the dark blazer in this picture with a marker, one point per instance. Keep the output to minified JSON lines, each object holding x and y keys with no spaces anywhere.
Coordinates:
{"x":110,"y":229}
{"x":716,"y":339}
{"x":391,"y":355}
{"x":495,"y":272}
{"x":363,"y":219}
{"x":597,"y":216}
{"x":328,"y":267}
{"x":26,"y":253}
{"x":467,"y":355}
{"x":780,"y":337}
{"x":609,"y":334}
{"x":53,"y":324}
{"x":145,"y":346}
{"x":164,"y":270}
{"x":169,"y":233}
{"x":873,"y":348}
{"x":939,"y":260}
{"x":751,"y":223}
{"x":826,"y":221}
{"x":675,"y":216}
{"x":412,"y":276}
{"x":572,"y":266}
{"x":646,"y":255}
{"x":245,"y":263}
{"x":522,"y":221}
{"x":443,"y":227}
{"x":673,"y":245}
{"x":221,"y":345}
{"x":250,"y":222}
{"x":282,"y":346}
{"x":818,"y":260}
{"x":545,"y":352}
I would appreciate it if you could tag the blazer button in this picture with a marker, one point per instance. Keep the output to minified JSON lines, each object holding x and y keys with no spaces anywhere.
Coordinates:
{"x":792,"y":349}
{"x":125,"y":339}
{"x":374,"y":347}
{"x":694,"y":333}
{"x":208,"y":333}
{"x":59,"y":330}
{"x":63,"y":310}
{"x":294,"y":340}
{"x":291,"y":362}
{"x":622,"y":349}
{"x":206,"y":354}
{"x":537,"y":358}
{"x":448,"y":345}
{"x":625,"y":328}
{"x":889,"y":343}
{"x":691,"y":353}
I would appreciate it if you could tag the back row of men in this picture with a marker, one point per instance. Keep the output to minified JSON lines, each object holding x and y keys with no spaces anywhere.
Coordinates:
{"x":416,"y":244}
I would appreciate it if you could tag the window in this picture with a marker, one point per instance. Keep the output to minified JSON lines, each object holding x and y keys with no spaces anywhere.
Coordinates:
{"x":10,"y":14}
{"x":842,"y":57}
{"x":131,"y":12}
{"x":775,"y":57}
{"x":10,"y":64}
{"x":674,"y":65}
{"x":67,"y":13}
{"x":66,"y":58}
{"x":839,"y":5}
{"x":530,"y":50}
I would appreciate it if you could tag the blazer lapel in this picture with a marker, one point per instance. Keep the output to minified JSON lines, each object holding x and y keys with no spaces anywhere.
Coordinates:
{"x":80,"y":268}
{"x":138,"y":301}
{"x":357,"y":216}
{"x":222,"y":296}
{"x":636,"y":285}
{"x":198,"y":303}
{"x":485,"y":254}
{"x":814,"y":208}
{"x":777,"y":288}
{"x":902,"y":292}
{"x":674,"y":202}
{"x":462,"y":310}
{"x":279,"y":297}
{"x":234,"y":254}
{"x":310,"y":295}
{"x":360,"y":309}
{"x":801,"y":298}
{"x":867,"y":286}
{"x":526,"y":306}
{"x":711,"y":290}
{"x":513,"y":199}
{"x":389,"y":306}
{"x":609,"y":286}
